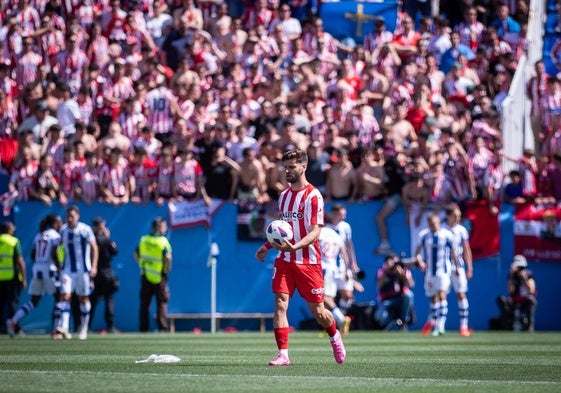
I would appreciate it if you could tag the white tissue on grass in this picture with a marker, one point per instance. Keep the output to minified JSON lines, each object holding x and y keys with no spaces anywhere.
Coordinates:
{"x":159,"y":359}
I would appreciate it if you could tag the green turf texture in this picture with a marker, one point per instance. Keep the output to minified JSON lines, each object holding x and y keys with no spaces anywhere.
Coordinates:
{"x":237,"y":362}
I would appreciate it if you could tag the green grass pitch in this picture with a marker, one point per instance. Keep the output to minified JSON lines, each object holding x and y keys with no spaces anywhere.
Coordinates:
{"x":237,"y":362}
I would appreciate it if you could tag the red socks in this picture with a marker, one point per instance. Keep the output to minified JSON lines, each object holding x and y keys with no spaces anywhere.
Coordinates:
{"x":281,"y":336}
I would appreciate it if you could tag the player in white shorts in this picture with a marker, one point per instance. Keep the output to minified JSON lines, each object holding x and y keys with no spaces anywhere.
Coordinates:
{"x":79,"y":267}
{"x":46,"y":268}
{"x":332,"y":247}
{"x":434,"y":253}
{"x":465,"y":267}
{"x":346,"y":285}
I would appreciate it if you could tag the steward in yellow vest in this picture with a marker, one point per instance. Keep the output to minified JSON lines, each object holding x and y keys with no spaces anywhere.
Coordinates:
{"x":153,"y":255}
{"x":12,"y":271}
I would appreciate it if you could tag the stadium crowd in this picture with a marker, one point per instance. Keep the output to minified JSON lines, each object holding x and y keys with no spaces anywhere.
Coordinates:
{"x":132,"y":101}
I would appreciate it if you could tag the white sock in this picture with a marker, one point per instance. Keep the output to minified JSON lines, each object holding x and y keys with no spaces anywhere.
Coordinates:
{"x":463,"y":310}
{"x":338,"y":316}
{"x":65,"y":315}
{"x":442,"y":315}
{"x":283,"y":352}
{"x":85,"y":314}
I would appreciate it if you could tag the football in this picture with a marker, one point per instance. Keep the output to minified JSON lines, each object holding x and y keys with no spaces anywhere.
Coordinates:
{"x":278,"y":230}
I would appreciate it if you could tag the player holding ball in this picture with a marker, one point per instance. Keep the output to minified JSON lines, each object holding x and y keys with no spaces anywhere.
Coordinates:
{"x":298,"y":264}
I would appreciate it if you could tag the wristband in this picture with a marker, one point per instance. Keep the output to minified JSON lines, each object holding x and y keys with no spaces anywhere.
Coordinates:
{"x":267,"y":245}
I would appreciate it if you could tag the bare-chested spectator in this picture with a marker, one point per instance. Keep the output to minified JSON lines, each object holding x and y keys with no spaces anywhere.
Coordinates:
{"x":341,"y":179}
{"x":252,"y":185}
{"x":370,"y":174}
{"x":415,"y":194}
{"x":401,"y":131}
{"x":189,"y":14}
{"x":115,"y":138}
{"x":290,"y":136}
{"x":333,"y":138}
{"x":272,"y":164}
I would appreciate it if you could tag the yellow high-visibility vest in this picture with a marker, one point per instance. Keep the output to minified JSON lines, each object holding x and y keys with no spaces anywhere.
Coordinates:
{"x":8,"y":244}
{"x":151,"y":256}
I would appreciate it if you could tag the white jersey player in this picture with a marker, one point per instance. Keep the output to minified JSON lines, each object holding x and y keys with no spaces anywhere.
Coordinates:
{"x":79,"y":267}
{"x":436,"y":250}
{"x":333,"y":253}
{"x":46,"y":268}
{"x":464,"y":272}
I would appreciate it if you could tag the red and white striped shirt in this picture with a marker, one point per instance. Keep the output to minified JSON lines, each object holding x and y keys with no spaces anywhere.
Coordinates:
{"x":143,"y":174}
{"x":120,"y":89}
{"x":164,"y":175}
{"x":24,"y":179}
{"x":88,"y":179}
{"x":115,"y":177}
{"x":129,"y":124}
{"x":26,"y":69}
{"x":302,"y":209}
{"x":186,"y":175}
{"x":66,"y":177}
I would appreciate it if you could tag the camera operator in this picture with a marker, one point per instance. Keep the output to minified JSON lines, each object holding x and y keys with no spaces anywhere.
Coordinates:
{"x":394,"y":281}
{"x":518,"y":309}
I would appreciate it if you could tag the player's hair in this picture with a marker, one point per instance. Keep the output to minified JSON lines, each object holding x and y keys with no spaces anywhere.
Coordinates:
{"x":50,"y":221}
{"x":296,"y":154}
{"x":72,"y":208}
{"x":157,"y":222}
{"x":337,"y":207}
{"x":451,"y":208}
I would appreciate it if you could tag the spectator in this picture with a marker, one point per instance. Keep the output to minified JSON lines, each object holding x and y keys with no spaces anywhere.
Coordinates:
{"x":222,"y":176}
{"x":164,"y":177}
{"x":370,"y":174}
{"x":154,"y":256}
{"x":519,"y":307}
{"x":115,"y":179}
{"x":46,"y":184}
{"x":513,"y":192}
{"x":68,"y":110}
{"x":341,"y":179}
{"x":251,"y":184}
{"x":188,"y":178}
{"x":142,"y":173}
{"x":86,"y":185}
{"x":39,"y":122}
{"x":23,"y":175}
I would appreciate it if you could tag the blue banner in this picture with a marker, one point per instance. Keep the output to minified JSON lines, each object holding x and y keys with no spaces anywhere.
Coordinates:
{"x":356,"y":19}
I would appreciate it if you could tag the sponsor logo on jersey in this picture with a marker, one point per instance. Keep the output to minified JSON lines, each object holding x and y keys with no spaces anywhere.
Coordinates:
{"x":292,"y":215}
{"x":318,"y":291}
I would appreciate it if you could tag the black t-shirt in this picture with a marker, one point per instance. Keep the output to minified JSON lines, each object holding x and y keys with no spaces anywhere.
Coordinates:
{"x":395,"y":176}
{"x":219,"y":180}
{"x":205,"y":152}
{"x":107,"y":249}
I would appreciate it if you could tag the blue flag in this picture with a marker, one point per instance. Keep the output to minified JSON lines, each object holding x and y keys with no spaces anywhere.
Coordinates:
{"x":355,"y":19}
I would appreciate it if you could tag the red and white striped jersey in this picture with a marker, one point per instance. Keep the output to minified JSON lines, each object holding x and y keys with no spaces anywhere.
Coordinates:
{"x":536,"y":89}
{"x":98,"y":51}
{"x":251,"y":18}
{"x":120,"y":89}
{"x":457,"y":175}
{"x":310,"y":44}
{"x":164,"y":175}
{"x":24,"y":179}
{"x":479,"y":161}
{"x":467,"y":30}
{"x":143,"y":174}
{"x":115,"y":177}
{"x":186,"y":175}
{"x":56,"y":150}
{"x":71,"y":66}
{"x":50,"y":45}
{"x":29,"y":20}
{"x":129,"y":124}
{"x":550,"y":107}
{"x":26,"y":68}
{"x":372,"y":41}
{"x":88,"y":179}
{"x":159,"y":109}
{"x":302,"y":209}
{"x":66,"y":176}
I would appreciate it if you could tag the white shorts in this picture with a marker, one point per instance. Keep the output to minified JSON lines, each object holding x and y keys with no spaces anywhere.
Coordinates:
{"x":459,"y":281}
{"x":44,"y":280}
{"x":435,"y":284}
{"x":329,"y":284}
{"x":342,"y":283}
{"x":80,"y":283}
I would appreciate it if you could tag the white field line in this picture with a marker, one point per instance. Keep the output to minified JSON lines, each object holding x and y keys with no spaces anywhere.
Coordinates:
{"x":295,"y":377}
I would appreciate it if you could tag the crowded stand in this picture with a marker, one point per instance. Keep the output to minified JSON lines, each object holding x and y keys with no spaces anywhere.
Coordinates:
{"x":137,"y":101}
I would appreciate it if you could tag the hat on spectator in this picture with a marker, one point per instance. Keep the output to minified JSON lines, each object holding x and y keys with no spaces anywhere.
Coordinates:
{"x":379,"y":20}
{"x":42,"y":106}
{"x":97,"y":221}
{"x":500,"y":68}
{"x":519,"y":261}
{"x":456,"y":66}
{"x":287,"y":122}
